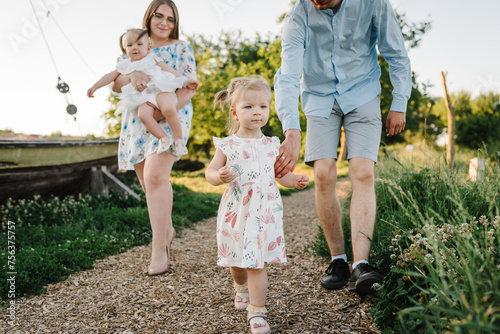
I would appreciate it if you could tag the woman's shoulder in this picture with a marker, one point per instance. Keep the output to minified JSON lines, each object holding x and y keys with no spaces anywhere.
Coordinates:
{"x":174,"y":45}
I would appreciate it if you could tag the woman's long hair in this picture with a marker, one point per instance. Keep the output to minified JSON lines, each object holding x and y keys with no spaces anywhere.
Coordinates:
{"x":153,"y":6}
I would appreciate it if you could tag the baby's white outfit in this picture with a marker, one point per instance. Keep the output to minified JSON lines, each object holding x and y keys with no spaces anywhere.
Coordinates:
{"x":160,"y":81}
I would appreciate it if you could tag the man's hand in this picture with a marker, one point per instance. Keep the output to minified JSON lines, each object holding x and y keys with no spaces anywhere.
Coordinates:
{"x":396,"y":122}
{"x":288,"y":153}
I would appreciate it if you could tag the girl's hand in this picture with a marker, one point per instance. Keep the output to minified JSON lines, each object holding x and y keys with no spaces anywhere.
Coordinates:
{"x":301,"y":181}
{"x":139,"y":80}
{"x":226,"y":175}
{"x":91,"y":91}
{"x":192,"y":84}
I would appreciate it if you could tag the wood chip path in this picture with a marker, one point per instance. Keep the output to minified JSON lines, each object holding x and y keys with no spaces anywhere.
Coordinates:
{"x":196,"y":296}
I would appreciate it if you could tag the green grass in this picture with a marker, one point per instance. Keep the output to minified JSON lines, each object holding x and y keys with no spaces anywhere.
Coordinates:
{"x":56,"y":237}
{"x":440,"y":263}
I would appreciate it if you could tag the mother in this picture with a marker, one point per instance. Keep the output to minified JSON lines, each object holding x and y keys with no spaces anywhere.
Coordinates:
{"x":137,"y":149}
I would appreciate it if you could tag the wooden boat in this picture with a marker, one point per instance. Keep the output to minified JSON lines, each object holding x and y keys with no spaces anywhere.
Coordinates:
{"x":52,"y":167}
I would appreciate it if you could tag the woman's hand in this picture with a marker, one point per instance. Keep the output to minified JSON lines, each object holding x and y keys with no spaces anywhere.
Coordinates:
{"x":226,"y":175}
{"x":139,"y":80}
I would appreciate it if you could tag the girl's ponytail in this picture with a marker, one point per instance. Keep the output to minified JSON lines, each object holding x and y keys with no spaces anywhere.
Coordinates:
{"x":221,"y":98}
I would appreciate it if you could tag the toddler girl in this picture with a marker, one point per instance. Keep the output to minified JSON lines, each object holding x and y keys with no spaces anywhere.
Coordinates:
{"x":249,"y":223}
{"x":159,"y":91}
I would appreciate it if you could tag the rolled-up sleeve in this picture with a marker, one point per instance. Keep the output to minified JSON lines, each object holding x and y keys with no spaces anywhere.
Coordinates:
{"x":287,"y":79}
{"x":391,"y":46}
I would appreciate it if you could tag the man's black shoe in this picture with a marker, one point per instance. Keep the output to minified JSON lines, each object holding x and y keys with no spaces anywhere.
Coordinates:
{"x":336,"y":275}
{"x":363,"y":278}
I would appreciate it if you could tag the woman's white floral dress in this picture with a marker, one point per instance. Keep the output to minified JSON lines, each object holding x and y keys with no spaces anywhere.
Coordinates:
{"x":250,"y":218}
{"x":136,"y":143}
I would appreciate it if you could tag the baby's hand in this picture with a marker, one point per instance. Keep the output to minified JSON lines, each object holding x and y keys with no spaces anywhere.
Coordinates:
{"x":192,"y":84}
{"x":301,"y":181}
{"x":226,"y":175}
{"x":91,"y":91}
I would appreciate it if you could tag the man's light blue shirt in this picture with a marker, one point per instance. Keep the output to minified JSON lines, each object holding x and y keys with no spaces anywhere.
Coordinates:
{"x":334,"y":58}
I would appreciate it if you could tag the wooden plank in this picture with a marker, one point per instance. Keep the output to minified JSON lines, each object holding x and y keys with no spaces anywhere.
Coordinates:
{"x":113,"y":182}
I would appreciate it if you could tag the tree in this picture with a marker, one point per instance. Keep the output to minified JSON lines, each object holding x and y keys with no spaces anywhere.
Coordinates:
{"x":477,"y":119}
{"x":218,"y":61}
{"x":231,"y":55}
{"x":479,"y":125}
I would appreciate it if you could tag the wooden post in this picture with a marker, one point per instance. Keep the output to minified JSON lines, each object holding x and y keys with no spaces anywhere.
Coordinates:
{"x":102,"y":178}
{"x":97,"y":185}
{"x":343,"y":147}
{"x":450,"y":152}
{"x":476,"y":169}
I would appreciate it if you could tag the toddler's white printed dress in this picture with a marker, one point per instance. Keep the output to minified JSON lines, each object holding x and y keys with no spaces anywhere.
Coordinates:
{"x":250,"y":218}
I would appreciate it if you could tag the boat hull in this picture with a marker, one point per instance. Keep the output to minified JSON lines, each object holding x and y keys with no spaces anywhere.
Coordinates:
{"x":48,"y":168}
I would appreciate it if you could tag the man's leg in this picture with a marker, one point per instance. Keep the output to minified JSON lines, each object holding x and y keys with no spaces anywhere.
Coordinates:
{"x":321,"y":153}
{"x":328,"y":204}
{"x":363,"y":130}
{"x":363,"y":206}
{"x":330,"y":217}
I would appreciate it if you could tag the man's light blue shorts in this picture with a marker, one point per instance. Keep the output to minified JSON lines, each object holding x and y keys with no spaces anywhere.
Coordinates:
{"x":363,"y":128}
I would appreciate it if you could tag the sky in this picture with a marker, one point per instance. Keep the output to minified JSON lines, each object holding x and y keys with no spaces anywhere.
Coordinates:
{"x":83,"y":41}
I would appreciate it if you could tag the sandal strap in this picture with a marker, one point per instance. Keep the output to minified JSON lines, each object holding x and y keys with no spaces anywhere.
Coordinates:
{"x":251,"y":316}
{"x":241,"y":299}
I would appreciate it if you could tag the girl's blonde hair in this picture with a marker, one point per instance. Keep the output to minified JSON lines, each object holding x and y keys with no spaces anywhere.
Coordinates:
{"x":238,"y":87}
{"x":140,"y":34}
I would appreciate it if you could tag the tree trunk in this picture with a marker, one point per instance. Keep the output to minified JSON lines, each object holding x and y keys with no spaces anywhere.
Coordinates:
{"x":343,"y":147}
{"x":450,"y":153}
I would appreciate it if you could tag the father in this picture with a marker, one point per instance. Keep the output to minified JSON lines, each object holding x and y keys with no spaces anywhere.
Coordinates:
{"x":332,"y":45}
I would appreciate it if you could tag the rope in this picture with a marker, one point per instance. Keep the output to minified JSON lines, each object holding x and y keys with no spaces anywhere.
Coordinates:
{"x":45,"y":39}
{"x":61,"y":85}
{"x":68,"y":40}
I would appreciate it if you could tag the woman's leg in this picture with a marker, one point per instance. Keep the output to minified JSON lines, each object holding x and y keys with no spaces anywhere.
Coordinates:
{"x":159,"y":199}
{"x":145,"y":113}
{"x":139,"y":171}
